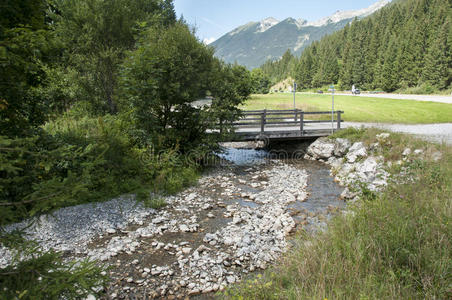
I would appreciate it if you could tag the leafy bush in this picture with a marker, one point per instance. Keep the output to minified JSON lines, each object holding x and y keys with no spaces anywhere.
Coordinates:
{"x":81,"y":160}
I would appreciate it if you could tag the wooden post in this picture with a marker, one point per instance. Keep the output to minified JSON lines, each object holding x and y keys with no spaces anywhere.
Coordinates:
{"x":338,"y":119}
{"x":302,"y":122}
{"x":263,"y":116}
{"x":296,"y":115}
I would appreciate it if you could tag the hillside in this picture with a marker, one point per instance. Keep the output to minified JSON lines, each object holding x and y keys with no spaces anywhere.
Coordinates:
{"x":256,"y":42}
{"x":404,"y":46}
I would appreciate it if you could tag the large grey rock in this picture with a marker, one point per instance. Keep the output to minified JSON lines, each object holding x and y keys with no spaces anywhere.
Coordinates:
{"x":322,"y":148}
{"x":341,"y":147}
{"x":356,"y":151}
{"x":369,"y":166}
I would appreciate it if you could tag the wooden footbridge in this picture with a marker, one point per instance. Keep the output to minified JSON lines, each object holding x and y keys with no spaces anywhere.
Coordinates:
{"x":273,"y":125}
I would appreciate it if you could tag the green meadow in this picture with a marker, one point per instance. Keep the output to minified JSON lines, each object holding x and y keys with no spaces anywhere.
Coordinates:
{"x":359,"y":109}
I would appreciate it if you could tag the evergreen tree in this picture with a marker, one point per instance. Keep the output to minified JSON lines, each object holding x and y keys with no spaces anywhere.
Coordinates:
{"x":303,"y":70}
{"x":435,"y":72}
{"x":26,"y":45}
{"x":328,"y":68}
{"x":390,"y":78}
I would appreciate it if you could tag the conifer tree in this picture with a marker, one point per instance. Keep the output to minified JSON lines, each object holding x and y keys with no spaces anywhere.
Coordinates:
{"x":390,"y":76}
{"x":435,"y":71}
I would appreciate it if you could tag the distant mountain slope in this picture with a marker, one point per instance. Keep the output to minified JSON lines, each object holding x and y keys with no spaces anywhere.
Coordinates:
{"x":256,"y":42}
{"x":406,"y":46}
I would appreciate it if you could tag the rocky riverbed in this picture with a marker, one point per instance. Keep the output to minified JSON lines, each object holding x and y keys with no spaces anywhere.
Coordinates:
{"x":236,"y":220}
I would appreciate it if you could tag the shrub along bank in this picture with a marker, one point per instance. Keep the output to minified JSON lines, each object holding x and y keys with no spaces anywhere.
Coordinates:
{"x":73,"y":161}
{"x":393,"y":244}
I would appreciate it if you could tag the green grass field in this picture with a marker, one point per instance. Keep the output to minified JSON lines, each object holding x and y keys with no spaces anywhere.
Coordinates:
{"x":359,"y":109}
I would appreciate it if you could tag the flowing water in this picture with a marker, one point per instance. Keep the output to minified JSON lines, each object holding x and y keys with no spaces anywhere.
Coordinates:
{"x":242,"y":173}
{"x":324,"y":193}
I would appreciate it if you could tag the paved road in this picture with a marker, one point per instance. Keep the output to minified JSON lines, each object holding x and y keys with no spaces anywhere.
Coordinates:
{"x":428,"y":98}
{"x":431,"y":132}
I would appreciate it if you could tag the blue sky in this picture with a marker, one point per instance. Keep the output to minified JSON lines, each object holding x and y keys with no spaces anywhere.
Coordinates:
{"x":213,"y":18}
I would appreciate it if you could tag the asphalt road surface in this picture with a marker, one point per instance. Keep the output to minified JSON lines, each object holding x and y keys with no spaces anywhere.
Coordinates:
{"x":428,"y":98}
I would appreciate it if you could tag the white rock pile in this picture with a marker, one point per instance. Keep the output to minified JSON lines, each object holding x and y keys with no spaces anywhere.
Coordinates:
{"x":355,"y":165}
{"x":352,"y":164}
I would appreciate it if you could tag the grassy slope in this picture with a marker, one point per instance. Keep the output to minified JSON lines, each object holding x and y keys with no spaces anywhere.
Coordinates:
{"x":360,"y":109}
{"x":395,"y":245}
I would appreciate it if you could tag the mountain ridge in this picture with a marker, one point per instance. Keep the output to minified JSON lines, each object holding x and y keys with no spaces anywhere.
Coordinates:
{"x":254,"y":43}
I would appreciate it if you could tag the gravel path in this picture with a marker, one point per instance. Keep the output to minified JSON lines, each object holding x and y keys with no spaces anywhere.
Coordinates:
{"x":441,"y":132}
{"x":431,"y":132}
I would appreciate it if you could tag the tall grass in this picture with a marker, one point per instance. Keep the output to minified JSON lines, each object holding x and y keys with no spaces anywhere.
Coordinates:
{"x":395,"y":246}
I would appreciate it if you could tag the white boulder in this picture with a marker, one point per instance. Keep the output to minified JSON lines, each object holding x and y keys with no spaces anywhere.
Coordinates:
{"x":356,"y":151}
{"x":322,"y":148}
{"x":341,"y":147}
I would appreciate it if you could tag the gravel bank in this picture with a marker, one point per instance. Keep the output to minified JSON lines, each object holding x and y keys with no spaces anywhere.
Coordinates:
{"x":432,"y":132}
{"x":235,"y":221}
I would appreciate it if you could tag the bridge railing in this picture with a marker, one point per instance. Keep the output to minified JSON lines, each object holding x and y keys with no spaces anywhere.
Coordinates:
{"x":263,"y":119}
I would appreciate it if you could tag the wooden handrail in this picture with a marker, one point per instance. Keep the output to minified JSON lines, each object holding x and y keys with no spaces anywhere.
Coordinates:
{"x":280,"y":118}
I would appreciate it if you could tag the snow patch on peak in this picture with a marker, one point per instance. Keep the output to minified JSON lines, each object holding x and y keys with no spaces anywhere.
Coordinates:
{"x":343,"y":15}
{"x":300,"y":23}
{"x":267,"y":23}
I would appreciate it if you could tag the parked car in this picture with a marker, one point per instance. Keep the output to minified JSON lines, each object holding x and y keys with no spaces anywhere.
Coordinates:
{"x":319,"y":92}
{"x":356,"y":92}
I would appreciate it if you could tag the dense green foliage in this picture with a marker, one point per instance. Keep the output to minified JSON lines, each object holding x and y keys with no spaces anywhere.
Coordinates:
{"x":168,"y":71}
{"x":25,"y":44}
{"x":405,"y":45}
{"x":73,"y":161}
{"x":94,"y":103}
{"x":260,"y":81}
{"x":159,"y":82}
{"x":70,"y":57}
{"x":96,"y":35}
{"x":393,"y":245}
{"x":279,"y":70}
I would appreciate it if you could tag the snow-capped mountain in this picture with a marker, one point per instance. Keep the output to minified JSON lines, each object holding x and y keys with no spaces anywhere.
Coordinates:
{"x":255,"y":42}
{"x":267,"y":24}
{"x":349,"y":14}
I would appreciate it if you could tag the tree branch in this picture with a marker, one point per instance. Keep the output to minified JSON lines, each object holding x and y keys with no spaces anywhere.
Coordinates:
{"x":28,"y":201}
